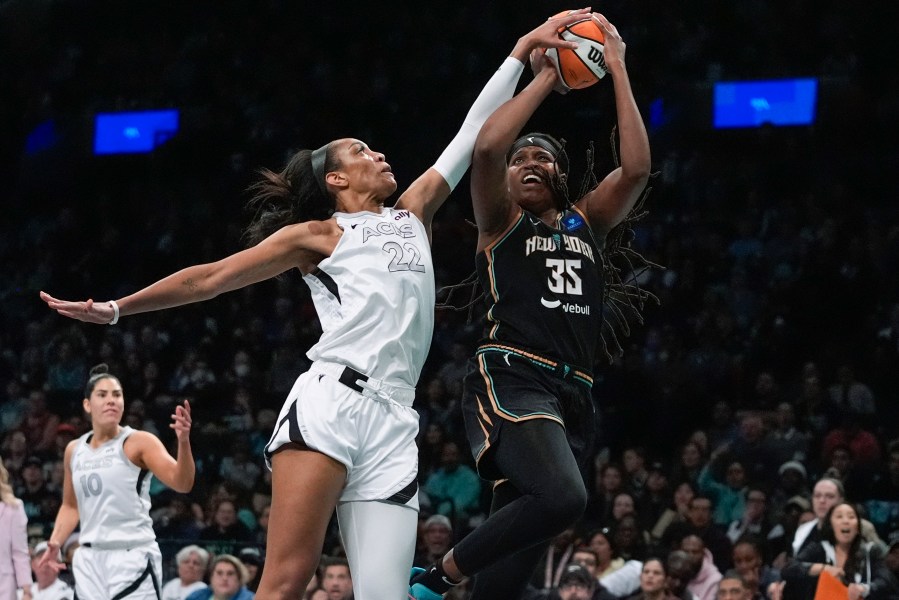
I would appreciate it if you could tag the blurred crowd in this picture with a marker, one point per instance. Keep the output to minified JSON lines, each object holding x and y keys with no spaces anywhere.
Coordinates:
{"x":771,"y":360}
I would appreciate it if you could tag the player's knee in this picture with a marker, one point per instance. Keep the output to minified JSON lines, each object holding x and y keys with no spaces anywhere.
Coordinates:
{"x":566,"y":505}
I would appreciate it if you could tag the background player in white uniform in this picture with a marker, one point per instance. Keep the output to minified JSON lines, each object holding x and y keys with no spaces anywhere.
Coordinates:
{"x":346,"y":435}
{"x":106,"y":487}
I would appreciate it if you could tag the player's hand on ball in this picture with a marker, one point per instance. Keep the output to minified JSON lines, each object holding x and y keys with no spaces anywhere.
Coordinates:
{"x":613,"y":46}
{"x":540,"y":62}
{"x":546,"y":35}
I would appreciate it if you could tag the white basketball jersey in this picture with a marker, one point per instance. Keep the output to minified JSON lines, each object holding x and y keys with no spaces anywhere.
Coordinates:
{"x":113,"y":494}
{"x":375,"y":296}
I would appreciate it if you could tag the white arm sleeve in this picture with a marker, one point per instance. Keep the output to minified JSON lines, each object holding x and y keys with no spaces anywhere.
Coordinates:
{"x":456,"y":159}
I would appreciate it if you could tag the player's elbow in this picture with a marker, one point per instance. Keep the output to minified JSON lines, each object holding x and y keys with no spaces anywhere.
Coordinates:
{"x":183,"y":485}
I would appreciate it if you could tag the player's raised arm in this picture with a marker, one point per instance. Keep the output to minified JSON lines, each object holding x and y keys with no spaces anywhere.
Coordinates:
{"x":428,"y":192}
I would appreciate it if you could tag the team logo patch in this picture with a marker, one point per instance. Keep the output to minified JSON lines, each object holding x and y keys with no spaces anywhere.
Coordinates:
{"x":572,"y":222}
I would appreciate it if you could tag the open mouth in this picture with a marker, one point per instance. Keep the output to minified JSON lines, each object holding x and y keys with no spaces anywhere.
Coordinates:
{"x":532,"y":178}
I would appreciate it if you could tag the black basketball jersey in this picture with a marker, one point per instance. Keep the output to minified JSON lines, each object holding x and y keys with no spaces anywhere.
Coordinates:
{"x":543,"y":288}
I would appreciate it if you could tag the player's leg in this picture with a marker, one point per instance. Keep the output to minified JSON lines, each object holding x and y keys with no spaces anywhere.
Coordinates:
{"x":536,"y":459}
{"x":379,"y":539}
{"x":305,"y":488}
{"x":508,"y":577}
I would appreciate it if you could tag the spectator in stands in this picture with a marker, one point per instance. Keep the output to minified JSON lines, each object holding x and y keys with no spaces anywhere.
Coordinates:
{"x":13,"y":407}
{"x":728,"y":496}
{"x":631,"y":541}
{"x":226,"y":532}
{"x":635,"y":472}
{"x":692,"y":459}
{"x":733,"y":586}
{"x":192,"y":562}
{"x":841,"y":551}
{"x":863,"y":444}
{"x":437,"y":539}
{"x":239,"y":468}
{"x":226,"y":581}
{"x":554,"y":561}
{"x":609,"y":482}
{"x":681,"y":570}
{"x":603,"y":545}
{"x":576,"y":583}
{"x":254,"y":561}
{"x":40,"y":503}
{"x":755,"y":521}
{"x":752,"y":568}
{"x":792,"y":481}
{"x":699,"y":522}
{"x":15,"y":453}
{"x":40,"y":424}
{"x":787,"y":442}
{"x":850,"y":395}
{"x":657,"y":496}
{"x":454,"y":488}
{"x":653,"y":582}
{"x":677,"y":512}
{"x":337,"y":580}
{"x":704,"y":583}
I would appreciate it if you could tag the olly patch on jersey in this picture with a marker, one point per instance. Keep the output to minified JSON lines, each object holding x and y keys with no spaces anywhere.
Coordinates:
{"x":540,"y":243}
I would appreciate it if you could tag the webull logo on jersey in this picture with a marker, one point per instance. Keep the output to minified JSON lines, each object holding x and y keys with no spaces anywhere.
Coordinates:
{"x":403,"y":230}
{"x":571,"y":243}
{"x":569,"y":307}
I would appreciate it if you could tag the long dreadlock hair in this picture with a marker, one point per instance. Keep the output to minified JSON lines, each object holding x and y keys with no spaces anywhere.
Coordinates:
{"x":623,"y":298}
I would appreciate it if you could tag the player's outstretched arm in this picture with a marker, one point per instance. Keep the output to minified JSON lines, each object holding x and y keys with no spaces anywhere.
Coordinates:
{"x":609,"y":203}
{"x":289,"y":247}
{"x":426,"y":194}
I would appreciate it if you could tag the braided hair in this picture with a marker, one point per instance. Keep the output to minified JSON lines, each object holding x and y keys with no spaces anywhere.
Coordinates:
{"x":297,"y":193}
{"x":623,"y":299}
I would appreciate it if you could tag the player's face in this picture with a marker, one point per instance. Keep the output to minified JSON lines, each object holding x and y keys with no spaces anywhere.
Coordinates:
{"x":366,"y":171}
{"x":107,"y":402}
{"x":529,"y":176}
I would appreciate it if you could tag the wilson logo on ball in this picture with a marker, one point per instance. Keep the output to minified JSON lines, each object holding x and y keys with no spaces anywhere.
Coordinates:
{"x":585,"y":65}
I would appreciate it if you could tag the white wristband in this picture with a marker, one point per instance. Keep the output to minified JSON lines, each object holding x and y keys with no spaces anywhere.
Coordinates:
{"x":115,"y":312}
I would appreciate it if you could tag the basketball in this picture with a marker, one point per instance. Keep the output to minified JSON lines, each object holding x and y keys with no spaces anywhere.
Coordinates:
{"x":585,"y":65}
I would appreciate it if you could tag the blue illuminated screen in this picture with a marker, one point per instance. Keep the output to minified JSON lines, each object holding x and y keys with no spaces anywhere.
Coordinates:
{"x":755,"y":103}
{"x":133,"y":132}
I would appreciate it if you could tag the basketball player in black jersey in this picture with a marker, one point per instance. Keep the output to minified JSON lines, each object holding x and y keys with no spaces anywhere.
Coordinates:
{"x":527,"y":404}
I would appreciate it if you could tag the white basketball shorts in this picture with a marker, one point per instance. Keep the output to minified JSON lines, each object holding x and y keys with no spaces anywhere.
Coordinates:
{"x":134,"y":573}
{"x":370,"y":430}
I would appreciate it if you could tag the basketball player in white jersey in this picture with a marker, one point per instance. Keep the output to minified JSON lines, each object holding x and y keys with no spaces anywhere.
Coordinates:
{"x":346,"y":434}
{"x":107,"y":488}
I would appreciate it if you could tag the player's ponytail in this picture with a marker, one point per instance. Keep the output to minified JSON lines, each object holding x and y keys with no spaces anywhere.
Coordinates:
{"x":294,"y":195}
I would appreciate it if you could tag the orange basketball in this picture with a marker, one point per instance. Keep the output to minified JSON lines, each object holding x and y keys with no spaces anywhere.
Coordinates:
{"x":585,"y":65}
